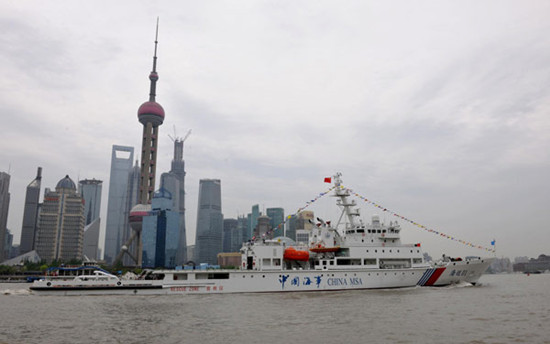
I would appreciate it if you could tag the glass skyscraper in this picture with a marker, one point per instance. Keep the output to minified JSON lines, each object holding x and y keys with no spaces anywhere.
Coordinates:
{"x":30,"y":215}
{"x":174,"y":182}
{"x":253,"y":220}
{"x":4,"y":207}
{"x":119,"y":201}
{"x":90,"y":190}
{"x":238,"y":235}
{"x":229,"y":228}
{"x":276,"y":220}
{"x":160,"y":232}
{"x":209,"y":222}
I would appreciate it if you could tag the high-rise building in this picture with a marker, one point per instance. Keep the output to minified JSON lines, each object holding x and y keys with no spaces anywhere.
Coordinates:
{"x":191,"y":253}
{"x":61,"y":225}
{"x":90,"y":244}
{"x":209,"y":222}
{"x":151,"y":116}
{"x":90,"y":190}
{"x":119,"y":202}
{"x":133,"y":199}
{"x":304,"y":225}
{"x":247,"y":234}
{"x":276,"y":220}
{"x":291,"y":224}
{"x":263,"y":228}
{"x":4,"y":208}
{"x":30,"y":214}
{"x":237,"y":237}
{"x":229,"y":228}
{"x":174,"y":182}
{"x":253,"y":220}
{"x":160,"y":232}
{"x":305,"y":219}
{"x":8,"y":244}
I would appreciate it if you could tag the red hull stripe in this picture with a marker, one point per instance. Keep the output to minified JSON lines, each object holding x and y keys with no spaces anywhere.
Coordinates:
{"x":435,"y":276}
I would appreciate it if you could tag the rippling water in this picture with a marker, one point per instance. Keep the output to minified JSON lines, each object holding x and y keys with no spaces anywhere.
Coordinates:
{"x":503,"y":309}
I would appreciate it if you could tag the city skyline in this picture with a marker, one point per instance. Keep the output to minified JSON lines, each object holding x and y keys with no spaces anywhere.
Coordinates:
{"x":433,"y":111}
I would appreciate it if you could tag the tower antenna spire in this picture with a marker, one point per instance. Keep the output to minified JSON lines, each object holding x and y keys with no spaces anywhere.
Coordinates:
{"x":154,"y":76}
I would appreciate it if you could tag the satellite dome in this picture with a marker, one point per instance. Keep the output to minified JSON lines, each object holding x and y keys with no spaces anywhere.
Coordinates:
{"x":66,"y":183}
{"x":151,"y":112}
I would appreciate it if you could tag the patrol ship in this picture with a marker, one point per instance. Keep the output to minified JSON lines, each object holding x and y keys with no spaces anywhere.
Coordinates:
{"x":348,"y":255}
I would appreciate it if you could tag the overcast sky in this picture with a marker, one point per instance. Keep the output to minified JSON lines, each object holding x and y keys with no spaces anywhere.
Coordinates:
{"x":437,"y":110}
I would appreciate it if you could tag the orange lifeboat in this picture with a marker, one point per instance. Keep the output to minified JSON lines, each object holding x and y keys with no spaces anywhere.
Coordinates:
{"x":319,"y":248}
{"x":293,"y":254}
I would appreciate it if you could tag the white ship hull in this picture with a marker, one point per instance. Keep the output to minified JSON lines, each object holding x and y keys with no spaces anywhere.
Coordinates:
{"x":231,"y":281}
{"x":242,"y":281}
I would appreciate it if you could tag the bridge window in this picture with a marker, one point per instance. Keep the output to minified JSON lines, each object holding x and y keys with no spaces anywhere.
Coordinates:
{"x":348,"y":262}
{"x":209,"y":276}
{"x":182,"y":277}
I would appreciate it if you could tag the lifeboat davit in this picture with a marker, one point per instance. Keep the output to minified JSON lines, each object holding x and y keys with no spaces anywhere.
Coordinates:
{"x":293,"y":254}
{"x":322,"y":249}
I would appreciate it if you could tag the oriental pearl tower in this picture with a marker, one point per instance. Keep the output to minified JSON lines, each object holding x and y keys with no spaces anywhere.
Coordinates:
{"x":151,"y":115}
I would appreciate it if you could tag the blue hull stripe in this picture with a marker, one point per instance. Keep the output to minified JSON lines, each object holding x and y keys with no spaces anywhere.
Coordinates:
{"x":425,"y":277}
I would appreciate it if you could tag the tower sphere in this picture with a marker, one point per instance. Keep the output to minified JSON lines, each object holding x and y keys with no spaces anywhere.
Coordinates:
{"x":138,"y":212}
{"x":151,"y":112}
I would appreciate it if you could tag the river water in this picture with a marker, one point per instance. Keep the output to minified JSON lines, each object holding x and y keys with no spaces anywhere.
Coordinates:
{"x":511,"y":308}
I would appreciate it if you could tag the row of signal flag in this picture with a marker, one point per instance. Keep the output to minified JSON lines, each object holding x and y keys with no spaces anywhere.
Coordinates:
{"x":308,"y":203}
{"x":493,"y":242}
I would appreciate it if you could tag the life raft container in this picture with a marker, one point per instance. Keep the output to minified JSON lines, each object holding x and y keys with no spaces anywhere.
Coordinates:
{"x":293,"y":254}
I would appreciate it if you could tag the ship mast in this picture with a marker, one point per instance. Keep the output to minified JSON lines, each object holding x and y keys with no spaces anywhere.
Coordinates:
{"x":343,"y":194}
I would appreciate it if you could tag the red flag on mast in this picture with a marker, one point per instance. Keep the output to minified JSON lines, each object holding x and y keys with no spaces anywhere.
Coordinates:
{"x":328,"y":180}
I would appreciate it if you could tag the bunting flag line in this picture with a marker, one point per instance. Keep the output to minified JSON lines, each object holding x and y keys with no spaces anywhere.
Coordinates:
{"x":308,"y":203}
{"x":384,"y":209}
{"x":429,"y":230}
